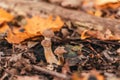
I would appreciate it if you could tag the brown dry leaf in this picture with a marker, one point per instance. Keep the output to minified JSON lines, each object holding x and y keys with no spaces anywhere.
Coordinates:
{"x":75,"y":76}
{"x":1,"y":53}
{"x":15,"y":57}
{"x":5,"y":16}
{"x":108,"y":5}
{"x":98,"y":13}
{"x":95,"y":34}
{"x":66,"y":68}
{"x":107,"y":35}
{"x":35,"y":27}
{"x":56,"y":1}
{"x":71,"y":3}
{"x":16,"y":36}
{"x":87,"y":5}
{"x":96,"y":74}
{"x":102,"y":2}
{"x":27,"y":78}
{"x":87,"y":76}
{"x":83,"y":35}
{"x":4,"y":28}
{"x":90,"y":12}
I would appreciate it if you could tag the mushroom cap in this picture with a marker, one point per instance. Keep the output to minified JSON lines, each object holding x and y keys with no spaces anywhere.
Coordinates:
{"x":60,"y":50}
{"x":48,"y":33}
{"x":46,"y":43}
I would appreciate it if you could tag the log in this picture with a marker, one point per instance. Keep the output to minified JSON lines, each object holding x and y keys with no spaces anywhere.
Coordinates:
{"x":36,"y":7}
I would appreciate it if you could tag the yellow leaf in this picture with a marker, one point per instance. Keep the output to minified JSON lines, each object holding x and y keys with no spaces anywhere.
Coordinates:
{"x":98,"y":13}
{"x":16,"y":36}
{"x":4,"y":28}
{"x":102,"y":2}
{"x":86,"y":76}
{"x":83,"y":35}
{"x":5,"y":16}
{"x":35,"y":26}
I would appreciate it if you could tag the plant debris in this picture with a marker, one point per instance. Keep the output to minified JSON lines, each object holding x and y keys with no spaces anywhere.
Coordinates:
{"x":44,"y":47}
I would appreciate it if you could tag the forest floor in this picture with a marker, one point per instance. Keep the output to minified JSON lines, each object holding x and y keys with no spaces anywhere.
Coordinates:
{"x":83,"y":43}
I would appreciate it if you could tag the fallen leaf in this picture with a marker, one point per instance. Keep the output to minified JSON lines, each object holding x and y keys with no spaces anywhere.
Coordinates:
{"x":15,"y":57}
{"x":34,"y":27}
{"x":27,"y":78}
{"x":31,"y":44}
{"x":77,"y":76}
{"x":16,"y":36}
{"x":93,"y":74}
{"x":5,"y":16}
{"x":66,"y":68}
{"x":71,"y":3}
{"x":106,"y":35}
{"x":98,"y":13}
{"x":83,"y":35}
{"x":4,"y":28}
{"x":37,"y":25}
{"x":56,"y":1}
{"x":1,"y":53}
{"x":102,"y":2}
{"x":96,"y":74}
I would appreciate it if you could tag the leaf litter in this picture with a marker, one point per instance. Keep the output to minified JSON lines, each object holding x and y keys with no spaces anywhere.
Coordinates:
{"x":74,"y":55}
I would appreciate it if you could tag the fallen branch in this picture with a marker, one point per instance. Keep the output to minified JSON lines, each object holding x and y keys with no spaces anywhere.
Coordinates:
{"x":59,"y":75}
{"x":36,"y":7}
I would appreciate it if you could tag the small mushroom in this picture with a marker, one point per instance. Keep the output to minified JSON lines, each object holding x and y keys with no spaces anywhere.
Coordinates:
{"x":46,"y":43}
{"x":48,"y":34}
{"x":59,"y":51}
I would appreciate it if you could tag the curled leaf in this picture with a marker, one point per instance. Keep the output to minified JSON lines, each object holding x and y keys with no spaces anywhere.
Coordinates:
{"x":83,"y":35}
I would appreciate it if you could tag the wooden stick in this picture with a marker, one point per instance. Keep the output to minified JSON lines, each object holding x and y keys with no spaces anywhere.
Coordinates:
{"x":59,"y":75}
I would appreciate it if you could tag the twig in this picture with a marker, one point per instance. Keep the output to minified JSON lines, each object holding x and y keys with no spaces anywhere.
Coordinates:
{"x":62,"y":76}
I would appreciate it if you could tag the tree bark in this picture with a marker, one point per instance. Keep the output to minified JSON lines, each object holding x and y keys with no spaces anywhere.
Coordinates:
{"x":36,"y":7}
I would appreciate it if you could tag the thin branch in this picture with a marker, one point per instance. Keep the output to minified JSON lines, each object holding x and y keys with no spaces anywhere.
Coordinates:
{"x":59,"y":75}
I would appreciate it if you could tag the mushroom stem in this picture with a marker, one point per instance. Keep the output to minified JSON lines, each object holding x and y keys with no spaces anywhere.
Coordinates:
{"x":50,"y":57}
{"x":60,"y":59}
{"x":59,"y":51}
{"x":46,"y":43}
